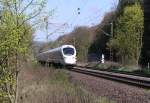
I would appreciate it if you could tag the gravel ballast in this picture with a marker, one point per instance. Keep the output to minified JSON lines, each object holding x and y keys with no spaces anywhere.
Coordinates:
{"x":120,"y":92}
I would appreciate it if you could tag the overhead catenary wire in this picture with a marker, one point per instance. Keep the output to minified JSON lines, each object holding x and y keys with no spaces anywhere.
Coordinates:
{"x":91,"y":18}
{"x":58,"y":25}
{"x":79,"y":10}
{"x":72,"y":19}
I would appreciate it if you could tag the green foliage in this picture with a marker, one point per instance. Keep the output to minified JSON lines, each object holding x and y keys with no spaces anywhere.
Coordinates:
{"x":15,"y":34}
{"x":128,"y":35}
{"x":14,"y":42}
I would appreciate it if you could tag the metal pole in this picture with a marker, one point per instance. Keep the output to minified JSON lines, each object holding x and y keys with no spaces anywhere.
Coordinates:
{"x":111,"y":52}
{"x":46,"y":27}
{"x":74,"y":41}
{"x":112,"y":26}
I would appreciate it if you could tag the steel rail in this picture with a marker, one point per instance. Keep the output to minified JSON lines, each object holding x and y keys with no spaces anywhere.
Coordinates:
{"x":142,"y":82}
{"x":121,"y":72}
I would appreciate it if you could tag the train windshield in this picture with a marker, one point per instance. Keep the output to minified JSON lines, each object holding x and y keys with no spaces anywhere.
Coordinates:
{"x":68,"y":51}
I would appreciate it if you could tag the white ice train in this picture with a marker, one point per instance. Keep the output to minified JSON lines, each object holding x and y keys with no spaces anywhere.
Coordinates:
{"x":65,"y":55}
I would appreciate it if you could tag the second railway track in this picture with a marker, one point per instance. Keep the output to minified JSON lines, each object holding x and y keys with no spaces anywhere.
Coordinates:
{"x":142,"y":82}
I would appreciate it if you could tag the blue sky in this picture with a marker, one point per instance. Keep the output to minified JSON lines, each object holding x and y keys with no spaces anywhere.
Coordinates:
{"x":66,"y":17}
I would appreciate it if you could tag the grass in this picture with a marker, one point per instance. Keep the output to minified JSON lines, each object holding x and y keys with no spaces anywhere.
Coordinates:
{"x":121,"y":68}
{"x":71,"y":93}
{"x":49,"y":85}
{"x":144,"y":71}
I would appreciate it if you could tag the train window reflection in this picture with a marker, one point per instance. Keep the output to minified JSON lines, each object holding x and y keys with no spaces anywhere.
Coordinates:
{"x":68,"y":51}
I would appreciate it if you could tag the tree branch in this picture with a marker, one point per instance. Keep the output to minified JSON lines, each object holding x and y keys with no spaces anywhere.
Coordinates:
{"x":26,"y":7}
{"x":29,"y":19}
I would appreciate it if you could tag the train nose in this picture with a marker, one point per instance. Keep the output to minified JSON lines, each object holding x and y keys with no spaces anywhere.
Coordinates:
{"x":70,"y":60}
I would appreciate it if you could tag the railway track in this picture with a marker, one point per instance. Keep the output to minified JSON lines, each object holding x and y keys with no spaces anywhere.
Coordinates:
{"x":121,"y":72}
{"x":142,"y":82}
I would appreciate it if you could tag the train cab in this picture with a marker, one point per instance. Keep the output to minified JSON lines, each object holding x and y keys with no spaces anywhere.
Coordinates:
{"x":69,"y":54}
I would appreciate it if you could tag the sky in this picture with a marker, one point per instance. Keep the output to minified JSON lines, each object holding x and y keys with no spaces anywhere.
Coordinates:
{"x":69,"y":14}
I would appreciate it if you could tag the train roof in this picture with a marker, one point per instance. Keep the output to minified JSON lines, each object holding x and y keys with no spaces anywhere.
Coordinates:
{"x":58,"y":48}
{"x":63,"y":46}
